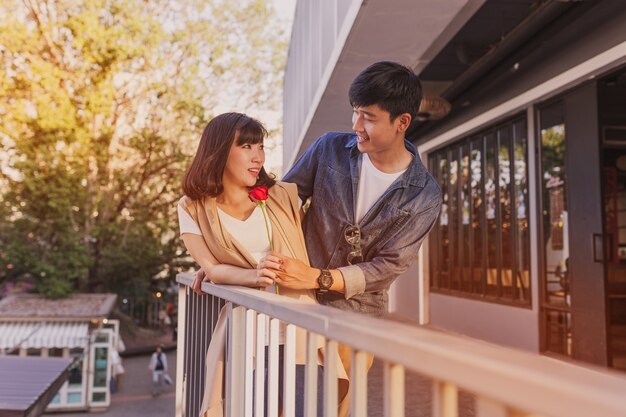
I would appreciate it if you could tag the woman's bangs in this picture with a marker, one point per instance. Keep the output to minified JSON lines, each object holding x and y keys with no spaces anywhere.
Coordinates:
{"x":252,"y":132}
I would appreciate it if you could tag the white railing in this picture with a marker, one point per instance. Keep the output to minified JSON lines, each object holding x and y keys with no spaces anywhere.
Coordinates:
{"x":504,"y":382}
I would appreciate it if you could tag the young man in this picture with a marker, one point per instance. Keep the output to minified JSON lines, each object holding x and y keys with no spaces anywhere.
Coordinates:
{"x":372,"y":200}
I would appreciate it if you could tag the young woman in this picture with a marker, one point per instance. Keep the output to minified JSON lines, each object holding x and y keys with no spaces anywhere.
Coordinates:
{"x":226,"y":233}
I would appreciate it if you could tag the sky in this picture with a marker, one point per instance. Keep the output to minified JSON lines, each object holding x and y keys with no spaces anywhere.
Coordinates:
{"x":285,"y":8}
{"x":274,"y":156}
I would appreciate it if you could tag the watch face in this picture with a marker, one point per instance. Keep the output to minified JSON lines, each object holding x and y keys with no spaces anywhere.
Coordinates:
{"x":326,"y":280}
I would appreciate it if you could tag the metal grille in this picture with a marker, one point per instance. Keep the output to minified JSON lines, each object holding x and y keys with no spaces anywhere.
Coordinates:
{"x":201,"y":315}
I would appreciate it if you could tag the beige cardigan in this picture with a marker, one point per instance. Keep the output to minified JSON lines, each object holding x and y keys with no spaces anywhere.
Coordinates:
{"x":287,"y":238}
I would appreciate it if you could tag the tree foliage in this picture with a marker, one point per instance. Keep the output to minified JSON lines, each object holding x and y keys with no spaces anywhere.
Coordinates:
{"x":101,"y":106}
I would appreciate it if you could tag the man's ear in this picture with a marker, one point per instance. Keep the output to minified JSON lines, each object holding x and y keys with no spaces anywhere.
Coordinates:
{"x":404,"y":121}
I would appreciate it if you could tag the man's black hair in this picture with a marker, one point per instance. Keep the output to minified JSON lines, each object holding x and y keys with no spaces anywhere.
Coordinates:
{"x":392,"y":86}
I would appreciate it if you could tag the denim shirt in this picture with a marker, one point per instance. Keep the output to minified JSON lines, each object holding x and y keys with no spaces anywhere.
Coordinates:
{"x":392,"y":231}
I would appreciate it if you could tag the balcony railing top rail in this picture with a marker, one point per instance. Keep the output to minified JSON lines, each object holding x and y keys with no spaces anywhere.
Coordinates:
{"x":518,"y":380}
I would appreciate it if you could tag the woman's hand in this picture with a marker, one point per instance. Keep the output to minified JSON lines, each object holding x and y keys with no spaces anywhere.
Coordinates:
{"x":292,"y":273}
{"x":198,"y":278}
{"x":265,"y":270}
{"x":261,"y":277}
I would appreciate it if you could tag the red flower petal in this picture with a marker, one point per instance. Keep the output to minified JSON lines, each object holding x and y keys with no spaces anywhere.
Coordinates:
{"x":258,"y":193}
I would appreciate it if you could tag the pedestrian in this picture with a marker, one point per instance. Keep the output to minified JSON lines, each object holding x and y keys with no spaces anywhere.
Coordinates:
{"x":158,"y":366}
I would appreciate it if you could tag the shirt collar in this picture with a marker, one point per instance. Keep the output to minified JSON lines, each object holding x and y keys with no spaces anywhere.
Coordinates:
{"x":415,"y":174}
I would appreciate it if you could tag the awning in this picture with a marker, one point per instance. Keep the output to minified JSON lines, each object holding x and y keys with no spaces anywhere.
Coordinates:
{"x":28,"y":384}
{"x":39,"y":335}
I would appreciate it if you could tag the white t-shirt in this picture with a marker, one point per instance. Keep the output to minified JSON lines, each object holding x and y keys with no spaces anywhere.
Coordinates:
{"x":250,"y":233}
{"x":372,"y":185}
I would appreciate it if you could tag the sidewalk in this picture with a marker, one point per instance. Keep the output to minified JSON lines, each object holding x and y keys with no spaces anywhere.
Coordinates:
{"x":142,"y":340}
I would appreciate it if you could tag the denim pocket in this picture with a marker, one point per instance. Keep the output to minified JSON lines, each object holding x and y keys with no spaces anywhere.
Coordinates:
{"x":334,"y":193}
{"x":383,"y":224}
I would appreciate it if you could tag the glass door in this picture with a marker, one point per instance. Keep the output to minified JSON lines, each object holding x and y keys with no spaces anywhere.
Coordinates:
{"x":99,"y":393}
{"x":572,"y":245}
{"x":612,"y":104}
{"x":556,"y":298}
{"x":615,"y":231}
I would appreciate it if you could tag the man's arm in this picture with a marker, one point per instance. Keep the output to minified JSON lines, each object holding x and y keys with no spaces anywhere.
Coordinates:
{"x":374,"y":275}
{"x":393,"y":259}
{"x":295,"y":274}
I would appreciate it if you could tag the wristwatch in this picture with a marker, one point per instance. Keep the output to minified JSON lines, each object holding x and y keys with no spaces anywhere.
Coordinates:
{"x":325,"y":281}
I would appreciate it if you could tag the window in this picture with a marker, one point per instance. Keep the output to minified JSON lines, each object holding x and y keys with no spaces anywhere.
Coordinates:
{"x":100,"y":367}
{"x":480,"y":246}
{"x":33,"y":352}
{"x":556,"y":300}
{"x":55,"y":352}
{"x":75,"y":385}
{"x":75,"y":378}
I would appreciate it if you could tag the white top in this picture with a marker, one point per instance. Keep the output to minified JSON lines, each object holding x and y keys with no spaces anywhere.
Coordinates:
{"x":250,"y":233}
{"x":186,"y":223}
{"x":372,"y":185}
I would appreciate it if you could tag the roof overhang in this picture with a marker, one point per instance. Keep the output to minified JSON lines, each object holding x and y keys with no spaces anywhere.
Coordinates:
{"x":411,"y":32}
{"x":29,"y":384}
{"x":38,"y":335}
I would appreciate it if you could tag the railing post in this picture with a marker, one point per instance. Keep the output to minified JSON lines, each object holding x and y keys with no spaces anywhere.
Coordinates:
{"x":249,"y":364}
{"x":289,"y":372}
{"x":394,"y":390}
{"x":235,"y":358}
{"x":310,"y":385}
{"x":192,"y":405}
{"x":445,"y":400}
{"x":330,"y":379}
{"x":180,"y":350}
{"x":358,"y":383}
{"x":259,"y":381}
{"x":272,"y":377}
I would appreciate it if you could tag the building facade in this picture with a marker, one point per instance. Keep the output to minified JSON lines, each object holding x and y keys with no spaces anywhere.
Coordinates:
{"x":77,"y":328}
{"x":530,"y":248}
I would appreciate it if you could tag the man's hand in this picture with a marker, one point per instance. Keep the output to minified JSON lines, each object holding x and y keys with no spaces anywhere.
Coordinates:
{"x":291,"y":273}
{"x":198,"y":278}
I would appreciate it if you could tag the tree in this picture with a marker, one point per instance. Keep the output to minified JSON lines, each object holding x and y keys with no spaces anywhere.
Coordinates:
{"x":101,"y":106}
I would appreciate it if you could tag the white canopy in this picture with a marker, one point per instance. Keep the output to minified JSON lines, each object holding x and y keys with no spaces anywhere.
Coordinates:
{"x":39,"y":335}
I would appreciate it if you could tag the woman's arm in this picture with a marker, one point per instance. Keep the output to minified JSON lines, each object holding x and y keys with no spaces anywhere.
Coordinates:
{"x":222,"y":273}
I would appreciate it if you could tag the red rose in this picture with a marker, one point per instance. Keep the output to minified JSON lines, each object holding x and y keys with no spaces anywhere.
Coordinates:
{"x":258,"y":194}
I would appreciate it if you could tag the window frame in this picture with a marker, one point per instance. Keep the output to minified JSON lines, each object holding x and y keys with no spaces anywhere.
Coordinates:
{"x":473,"y":284}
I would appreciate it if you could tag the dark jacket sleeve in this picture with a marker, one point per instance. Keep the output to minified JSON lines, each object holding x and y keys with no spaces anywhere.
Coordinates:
{"x":396,"y":255}
{"x":303,"y":172}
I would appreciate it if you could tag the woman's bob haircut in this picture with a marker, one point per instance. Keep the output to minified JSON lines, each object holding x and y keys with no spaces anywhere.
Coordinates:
{"x":204,"y":176}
